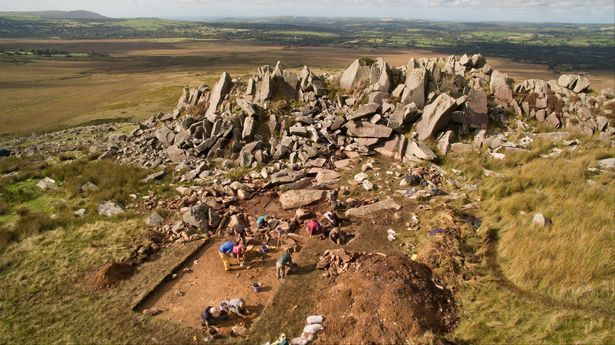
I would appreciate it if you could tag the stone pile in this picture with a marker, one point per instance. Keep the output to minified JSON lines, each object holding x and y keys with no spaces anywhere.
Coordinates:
{"x":337,"y":261}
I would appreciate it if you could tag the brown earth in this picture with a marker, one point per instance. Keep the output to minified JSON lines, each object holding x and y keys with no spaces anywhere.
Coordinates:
{"x":388,"y":300}
{"x":108,"y":275}
{"x":207,"y":284}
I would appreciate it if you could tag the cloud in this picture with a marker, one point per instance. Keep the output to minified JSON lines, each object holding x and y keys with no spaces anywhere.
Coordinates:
{"x":488,"y":4}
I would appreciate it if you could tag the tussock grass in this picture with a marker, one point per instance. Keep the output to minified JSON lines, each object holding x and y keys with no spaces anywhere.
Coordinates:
{"x":44,"y":303}
{"x":492,"y":314}
{"x":572,"y":259}
{"x":115,"y":182}
{"x":237,"y":173}
{"x":542,"y":285}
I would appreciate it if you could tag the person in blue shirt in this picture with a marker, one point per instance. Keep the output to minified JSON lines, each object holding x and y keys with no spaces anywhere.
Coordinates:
{"x":262,"y":221}
{"x":226,"y":251}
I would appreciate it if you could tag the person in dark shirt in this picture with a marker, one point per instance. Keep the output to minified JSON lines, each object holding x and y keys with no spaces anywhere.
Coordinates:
{"x":284,"y":261}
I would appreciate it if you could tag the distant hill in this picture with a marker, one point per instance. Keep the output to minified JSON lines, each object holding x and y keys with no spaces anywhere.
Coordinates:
{"x":57,"y":14}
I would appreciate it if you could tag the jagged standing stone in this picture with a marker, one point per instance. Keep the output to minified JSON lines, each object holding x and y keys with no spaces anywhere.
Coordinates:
{"x":476,"y":115}
{"x":222,"y":88}
{"x":435,"y":116}
{"x":414,"y":92}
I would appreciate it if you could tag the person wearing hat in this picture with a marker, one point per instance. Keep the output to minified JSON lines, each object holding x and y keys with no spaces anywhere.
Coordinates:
{"x":284,"y":261}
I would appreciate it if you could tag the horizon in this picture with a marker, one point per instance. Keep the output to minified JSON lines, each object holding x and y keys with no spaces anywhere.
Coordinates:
{"x":471,"y":11}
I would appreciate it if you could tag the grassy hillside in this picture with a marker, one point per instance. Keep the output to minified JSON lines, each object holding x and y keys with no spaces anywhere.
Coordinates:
{"x":543,"y":285}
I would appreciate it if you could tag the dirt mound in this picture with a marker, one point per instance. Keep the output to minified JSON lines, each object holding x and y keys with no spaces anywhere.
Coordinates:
{"x":387,"y":300}
{"x":108,"y":275}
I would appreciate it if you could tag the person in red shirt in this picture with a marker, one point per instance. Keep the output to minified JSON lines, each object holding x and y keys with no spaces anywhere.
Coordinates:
{"x":312,"y":226}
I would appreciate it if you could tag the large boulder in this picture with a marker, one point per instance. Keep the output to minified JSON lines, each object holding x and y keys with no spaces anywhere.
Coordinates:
{"x":573,"y":82}
{"x":175,"y":153}
{"x":325,"y":176}
{"x":165,"y":136}
{"x":380,"y":78}
{"x":47,"y":183}
{"x":436,"y":116}
{"x":222,"y":88}
{"x":197,"y":216}
{"x":418,"y":150}
{"x":354,"y":76}
{"x":394,"y":148}
{"x":500,"y":88}
{"x":403,"y":115}
{"x":414,"y":91}
{"x":367,"y":72}
{"x":365,"y":210}
{"x":249,"y":128}
{"x":476,"y":115}
{"x":109,"y":209}
{"x":368,"y":130}
{"x":300,"y":197}
{"x":265,"y":90}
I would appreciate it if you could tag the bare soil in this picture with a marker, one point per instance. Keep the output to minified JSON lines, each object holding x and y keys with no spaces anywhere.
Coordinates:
{"x":388,"y":300}
{"x":108,"y":275}
{"x":207,"y":284}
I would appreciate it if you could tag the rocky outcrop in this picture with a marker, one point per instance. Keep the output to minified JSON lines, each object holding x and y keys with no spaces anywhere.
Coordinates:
{"x":255,"y":123}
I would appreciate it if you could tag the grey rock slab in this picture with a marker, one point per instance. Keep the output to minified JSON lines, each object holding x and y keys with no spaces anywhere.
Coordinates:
{"x":420,"y":151}
{"x":475,"y":115}
{"x":363,"y":111}
{"x":552,"y":136}
{"x":197,"y":216}
{"x":415,"y":87}
{"x":500,"y":88}
{"x":362,"y":211}
{"x":154,"y":219}
{"x":436,"y":116}
{"x":222,"y":88}
{"x":394,"y":148}
{"x":607,"y":163}
{"x":368,"y":130}
{"x":47,"y":183}
{"x":109,"y":209}
{"x":300,"y":198}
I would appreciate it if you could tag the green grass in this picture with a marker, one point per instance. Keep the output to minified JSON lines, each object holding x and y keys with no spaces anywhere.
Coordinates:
{"x":43,"y":300}
{"x":318,"y":34}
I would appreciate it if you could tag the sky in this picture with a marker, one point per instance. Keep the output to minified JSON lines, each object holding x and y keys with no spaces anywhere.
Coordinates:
{"x":572,"y":11}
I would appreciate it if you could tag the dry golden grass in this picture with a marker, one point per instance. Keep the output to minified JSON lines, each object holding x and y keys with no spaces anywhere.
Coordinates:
{"x":543,"y":285}
{"x":572,"y":259}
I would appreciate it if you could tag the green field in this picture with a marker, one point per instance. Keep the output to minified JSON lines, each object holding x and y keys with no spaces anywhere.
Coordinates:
{"x":556,"y":45}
